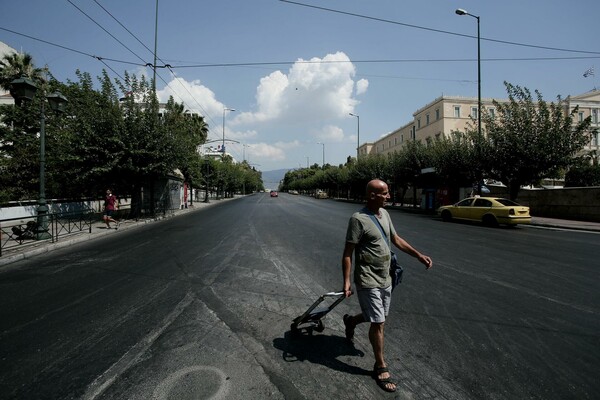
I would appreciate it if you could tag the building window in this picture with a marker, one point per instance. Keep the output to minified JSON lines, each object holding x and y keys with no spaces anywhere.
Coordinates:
{"x":418,"y":123}
{"x":474,"y":112}
{"x":492,"y":112}
{"x":594,"y":138}
{"x":581,"y":116}
{"x":389,"y":144}
{"x":401,"y":138}
{"x":414,"y":133}
{"x":437,"y":114}
{"x":456,"y":111}
{"x":595,"y":115}
{"x":427,"y":119}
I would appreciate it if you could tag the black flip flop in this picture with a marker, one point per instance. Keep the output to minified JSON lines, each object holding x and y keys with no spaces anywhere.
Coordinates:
{"x":383,"y":383}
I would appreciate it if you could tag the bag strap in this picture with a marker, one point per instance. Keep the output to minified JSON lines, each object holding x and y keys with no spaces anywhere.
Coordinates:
{"x":376,"y":221}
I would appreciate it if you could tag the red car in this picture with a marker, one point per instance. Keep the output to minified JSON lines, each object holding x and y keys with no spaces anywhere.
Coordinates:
{"x":274,"y":193}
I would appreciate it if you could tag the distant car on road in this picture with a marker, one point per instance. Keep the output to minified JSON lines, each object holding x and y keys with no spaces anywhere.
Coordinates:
{"x":274,"y":193}
{"x":293,"y":192}
{"x":321,"y":195}
{"x":490,"y":211}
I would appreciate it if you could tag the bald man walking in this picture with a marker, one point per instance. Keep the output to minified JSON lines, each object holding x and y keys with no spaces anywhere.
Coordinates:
{"x":372,"y":278}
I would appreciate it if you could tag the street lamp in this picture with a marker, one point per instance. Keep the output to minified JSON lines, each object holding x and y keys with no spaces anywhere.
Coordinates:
{"x":223,"y":145}
{"x":357,"y":133}
{"x":323,"y":144}
{"x":460,"y":11}
{"x":24,"y":89}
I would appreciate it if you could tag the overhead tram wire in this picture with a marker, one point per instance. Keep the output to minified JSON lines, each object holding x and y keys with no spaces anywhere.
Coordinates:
{"x":244,"y":64}
{"x":165,"y":65}
{"x":434,"y":30}
{"x":105,"y":30}
{"x":99,"y":58}
{"x":385,"y":61}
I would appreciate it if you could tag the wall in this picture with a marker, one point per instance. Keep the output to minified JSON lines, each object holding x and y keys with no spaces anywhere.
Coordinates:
{"x":581,"y":204}
{"x":569,"y":203}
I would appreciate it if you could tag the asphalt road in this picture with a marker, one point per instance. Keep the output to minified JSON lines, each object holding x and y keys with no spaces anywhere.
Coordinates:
{"x":200,"y":306}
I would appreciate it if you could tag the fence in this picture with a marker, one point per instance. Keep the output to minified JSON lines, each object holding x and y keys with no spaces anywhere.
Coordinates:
{"x":26,"y":231}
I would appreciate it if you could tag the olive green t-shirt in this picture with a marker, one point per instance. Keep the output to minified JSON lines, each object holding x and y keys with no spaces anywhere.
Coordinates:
{"x":371,"y":254}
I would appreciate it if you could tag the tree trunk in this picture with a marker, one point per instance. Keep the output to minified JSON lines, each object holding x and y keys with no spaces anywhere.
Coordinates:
{"x":513,"y":190}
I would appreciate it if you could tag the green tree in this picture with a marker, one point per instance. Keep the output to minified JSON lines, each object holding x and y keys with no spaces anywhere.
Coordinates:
{"x":365,"y":169}
{"x":20,"y":145}
{"x":529,"y":139}
{"x":16,"y":65}
{"x":583,"y":175}
{"x":187,"y":132}
{"x":455,"y":159}
{"x":405,"y":167}
{"x":90,"y":149}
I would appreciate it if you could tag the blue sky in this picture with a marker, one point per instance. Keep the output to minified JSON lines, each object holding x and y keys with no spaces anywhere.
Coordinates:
{"x":384,"y":60}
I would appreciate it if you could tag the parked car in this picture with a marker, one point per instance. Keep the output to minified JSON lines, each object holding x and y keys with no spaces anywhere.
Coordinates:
{"x":274,"y":193}
{"x":293,"y":192}
{"x":487,"y":210}
{"x":321,"y":195}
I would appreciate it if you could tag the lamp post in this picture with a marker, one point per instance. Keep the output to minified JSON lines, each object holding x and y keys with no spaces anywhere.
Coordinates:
{"x":323,"y":144}
{"x":223,"y":145}
{"x":357,"y":133}
{"x":24,"y":89}
{"x":207,"y":165}
{"x":460,"y":11}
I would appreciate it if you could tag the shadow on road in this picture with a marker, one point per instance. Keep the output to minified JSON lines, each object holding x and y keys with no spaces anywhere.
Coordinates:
{"x":319,"y":349}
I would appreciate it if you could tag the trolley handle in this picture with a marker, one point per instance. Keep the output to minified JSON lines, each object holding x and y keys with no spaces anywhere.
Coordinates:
{"x":333,"y":294}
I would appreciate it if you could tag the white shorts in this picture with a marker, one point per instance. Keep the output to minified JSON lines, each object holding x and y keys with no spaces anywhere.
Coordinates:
{"x":375,"y":303}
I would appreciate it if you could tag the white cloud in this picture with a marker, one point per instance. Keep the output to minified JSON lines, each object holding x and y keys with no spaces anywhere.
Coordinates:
{"x":317,"y":89}
{"x":330,"y":133}
{"x":196,"y":97}
{"x":266,"y":151}
{"x":293,"y":110}
{"x":361,"y":86}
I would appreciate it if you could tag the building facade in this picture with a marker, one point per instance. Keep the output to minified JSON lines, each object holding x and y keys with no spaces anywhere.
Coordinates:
{"x":448,"y":114}
{"x":589,"y":105}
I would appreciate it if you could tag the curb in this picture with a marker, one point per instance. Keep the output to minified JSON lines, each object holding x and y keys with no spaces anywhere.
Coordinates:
{"x":80,"y":237}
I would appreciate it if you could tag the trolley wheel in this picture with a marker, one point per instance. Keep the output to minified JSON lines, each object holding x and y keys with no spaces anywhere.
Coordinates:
{"x":320,"y":326}
{"x":294,"y":328}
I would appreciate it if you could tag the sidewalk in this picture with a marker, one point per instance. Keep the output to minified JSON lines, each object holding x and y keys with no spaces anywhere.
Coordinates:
{"x":99,"y":230}
{"x":17,"y":253}
{"x":566,"y":224}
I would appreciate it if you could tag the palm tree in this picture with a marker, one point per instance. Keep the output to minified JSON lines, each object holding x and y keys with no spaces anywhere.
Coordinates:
{"x":15,"y":65}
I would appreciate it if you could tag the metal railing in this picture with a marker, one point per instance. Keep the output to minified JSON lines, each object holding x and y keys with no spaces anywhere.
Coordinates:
{"x":15,"y":232}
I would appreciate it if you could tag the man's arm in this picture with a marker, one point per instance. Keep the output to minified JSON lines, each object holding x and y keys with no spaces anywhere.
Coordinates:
{"x":408,"y":249}
{"x":347,"y":267}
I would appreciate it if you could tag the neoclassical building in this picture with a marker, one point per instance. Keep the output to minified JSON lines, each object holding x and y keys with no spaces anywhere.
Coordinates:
{"x":451,"y":113}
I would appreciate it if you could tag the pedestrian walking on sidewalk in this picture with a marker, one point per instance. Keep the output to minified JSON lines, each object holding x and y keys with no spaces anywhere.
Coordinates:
{"x":372,"y":278}
{"x":110,"y":206}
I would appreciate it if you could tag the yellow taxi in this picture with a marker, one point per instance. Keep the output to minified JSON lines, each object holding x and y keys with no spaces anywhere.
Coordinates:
{"x":490,"y":211}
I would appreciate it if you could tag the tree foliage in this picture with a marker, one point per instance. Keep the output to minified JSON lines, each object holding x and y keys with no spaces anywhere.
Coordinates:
{"x":583,"y":175}
{"x":16,"y":65}
{"x":104,"y":140}
{"x":525,"y":141}
{"x":529,"y":139}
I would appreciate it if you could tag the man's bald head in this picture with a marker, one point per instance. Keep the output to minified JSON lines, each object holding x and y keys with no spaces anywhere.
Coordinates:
{"x":376,"y":186}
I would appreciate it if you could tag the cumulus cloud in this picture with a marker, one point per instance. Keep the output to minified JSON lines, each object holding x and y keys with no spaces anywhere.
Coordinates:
{"x":330,"y":133}
{"x":361,"y":86}
{"x":293,"y":109}
{"x":197,"y":97}
{"x":319,"y":89}
{"x":266,"y":151}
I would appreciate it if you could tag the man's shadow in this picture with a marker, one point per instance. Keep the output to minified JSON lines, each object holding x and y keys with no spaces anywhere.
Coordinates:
{"x":319,"y":349}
